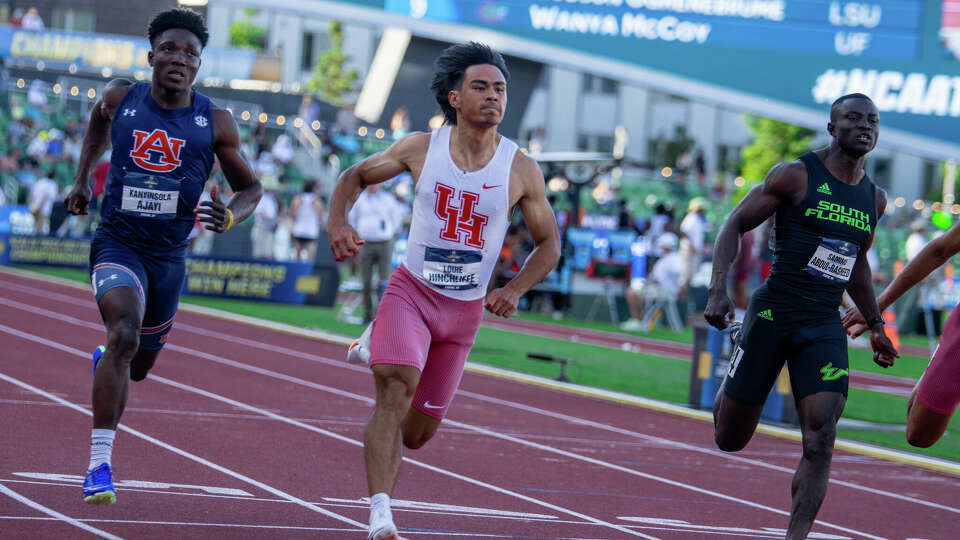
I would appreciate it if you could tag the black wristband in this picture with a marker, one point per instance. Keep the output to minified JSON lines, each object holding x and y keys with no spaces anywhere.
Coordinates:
{"x":876,"y":320}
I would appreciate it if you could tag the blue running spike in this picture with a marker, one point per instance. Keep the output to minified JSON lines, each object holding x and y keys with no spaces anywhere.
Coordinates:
{"x":98,"y":486}
{"x":97,"y":353}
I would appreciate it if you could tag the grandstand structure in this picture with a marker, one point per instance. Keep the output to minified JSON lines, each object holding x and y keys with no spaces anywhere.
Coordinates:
{"x":655,"y":65}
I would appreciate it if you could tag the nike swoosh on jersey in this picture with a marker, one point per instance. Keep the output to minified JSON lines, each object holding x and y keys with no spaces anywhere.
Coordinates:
{"x":429,"y":406}
{"x":491,"y":187}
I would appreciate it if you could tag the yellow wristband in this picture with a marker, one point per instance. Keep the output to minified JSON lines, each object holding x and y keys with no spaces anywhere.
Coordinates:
{"x":229,"y":220}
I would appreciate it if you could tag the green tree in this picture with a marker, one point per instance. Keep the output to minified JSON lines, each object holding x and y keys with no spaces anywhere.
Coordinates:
{"x":330,"y":81}
{"x":245,"y":34}
{"x":773,"y":142}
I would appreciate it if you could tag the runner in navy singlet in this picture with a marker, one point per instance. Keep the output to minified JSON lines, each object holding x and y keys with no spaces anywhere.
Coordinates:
{"x":165,"y":137}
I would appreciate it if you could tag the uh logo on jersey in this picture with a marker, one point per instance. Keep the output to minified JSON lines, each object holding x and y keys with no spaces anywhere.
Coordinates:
{"x":461,"y":218}
{"x":156,"y":151}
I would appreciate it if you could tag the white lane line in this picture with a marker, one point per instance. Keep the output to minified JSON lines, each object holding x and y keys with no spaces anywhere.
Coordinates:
{"x":155,"y":441}
{"x":481,"y":397}
{"x":54,"y":514}
{"x":271,"y":527}
{"x":263,"y":412}
{"x":694,"y":448}
{"x":487,"y":432}
{"x":881,"y":453}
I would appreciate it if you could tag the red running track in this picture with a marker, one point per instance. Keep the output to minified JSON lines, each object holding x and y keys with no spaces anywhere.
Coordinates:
{"x":246,"y":432}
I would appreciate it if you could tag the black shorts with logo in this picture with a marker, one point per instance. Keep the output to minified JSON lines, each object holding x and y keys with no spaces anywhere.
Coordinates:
{"x":813,"y":344}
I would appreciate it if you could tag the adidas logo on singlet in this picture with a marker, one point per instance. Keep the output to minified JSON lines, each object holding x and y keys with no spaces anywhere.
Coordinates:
{"x":765,"y":314}
{"x":825,"y":189}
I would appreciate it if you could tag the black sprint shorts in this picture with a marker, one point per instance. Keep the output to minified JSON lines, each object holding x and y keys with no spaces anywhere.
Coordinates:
{"x":815,"y":353}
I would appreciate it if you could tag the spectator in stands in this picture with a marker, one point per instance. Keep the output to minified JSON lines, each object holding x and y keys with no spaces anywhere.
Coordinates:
{"x":700,"y":166}
{"x":263,"y":232}
{"x":668,"y":283}
{"x":307,"y":211}
{"x":32,"y":20}
{"x":43,"y":194}
{"x":37,"y":94}
{"x":694,"y":230}
{"x":309,"y":110}
{"x":624,"y":217}
{"x":917,"y":239}
{"x":661,"y":222}
{"x":16,"y":18}
{"x":282,"y":149}
{"x":377,"y":217}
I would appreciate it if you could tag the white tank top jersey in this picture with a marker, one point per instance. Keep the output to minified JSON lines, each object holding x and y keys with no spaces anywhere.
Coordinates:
{"x":459,"y":219}
{"x":306,"y":223}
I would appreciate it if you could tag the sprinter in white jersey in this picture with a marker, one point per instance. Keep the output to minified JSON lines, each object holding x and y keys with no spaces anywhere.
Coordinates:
{"x":468,"y":179}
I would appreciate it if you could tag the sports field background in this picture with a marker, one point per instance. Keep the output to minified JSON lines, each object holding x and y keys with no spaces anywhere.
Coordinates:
{"x":644,"y":375}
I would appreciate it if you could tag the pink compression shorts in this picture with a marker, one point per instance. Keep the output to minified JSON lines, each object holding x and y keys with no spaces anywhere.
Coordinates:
{"x":417,"y":326}
{"x":939,"y":388}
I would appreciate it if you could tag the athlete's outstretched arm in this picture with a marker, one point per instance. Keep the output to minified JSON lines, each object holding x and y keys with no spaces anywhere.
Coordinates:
{"x":931,"y":257}
{"x":542,"y":225}
{"x":246,"y":187}
{"x":784,"y":184}
{"x":95,"y":143}
{"x":402,"y":156}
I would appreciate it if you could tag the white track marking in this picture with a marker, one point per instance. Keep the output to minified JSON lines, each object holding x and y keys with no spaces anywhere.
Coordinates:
{"x":694,"y":448}
{"x":157,"y":442}
{"x":918,"y":460}
{"x":54,"y":514}
{"x":480,"y":397}
{"x":263,"y":412}
{"x":476,"y":429}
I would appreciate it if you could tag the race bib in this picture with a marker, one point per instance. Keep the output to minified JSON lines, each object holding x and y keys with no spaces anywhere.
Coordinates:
{"x":833,"y":260}
{"x":150,"y":196}
{"x":451,"y":268}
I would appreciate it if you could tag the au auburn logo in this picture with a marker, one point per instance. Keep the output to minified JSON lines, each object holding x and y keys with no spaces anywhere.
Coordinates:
{"x":156,"y":151}
{"x":462,"y":218}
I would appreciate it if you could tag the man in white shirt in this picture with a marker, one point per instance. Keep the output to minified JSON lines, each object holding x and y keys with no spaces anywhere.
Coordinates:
{"x":667,"y":283}
{"x":43,"y":194}
{"x":694,"y":229}
{"x":263,"y":232}
{"x":376,"y":216}
{"x":917,"y":239}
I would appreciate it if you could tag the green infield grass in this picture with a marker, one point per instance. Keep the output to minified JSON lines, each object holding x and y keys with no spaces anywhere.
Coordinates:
{"x":644,"y":375}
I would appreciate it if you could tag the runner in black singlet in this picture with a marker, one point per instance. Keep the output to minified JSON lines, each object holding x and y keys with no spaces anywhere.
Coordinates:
{"x":826,"y":210}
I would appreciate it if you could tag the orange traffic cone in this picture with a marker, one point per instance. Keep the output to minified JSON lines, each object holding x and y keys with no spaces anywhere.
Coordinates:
{"x":890,"y":328}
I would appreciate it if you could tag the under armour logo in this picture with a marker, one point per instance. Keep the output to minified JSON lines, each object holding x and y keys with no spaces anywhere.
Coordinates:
{"x":102,"y":281}
{"x":200,"y":121}
{"x":129,"y":112}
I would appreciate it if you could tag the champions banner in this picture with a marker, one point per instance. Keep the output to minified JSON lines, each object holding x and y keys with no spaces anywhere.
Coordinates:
{"x":225,"y":277}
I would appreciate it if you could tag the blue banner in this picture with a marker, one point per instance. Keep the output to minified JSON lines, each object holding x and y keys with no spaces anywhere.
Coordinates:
{"x":225,"y":277}
{"x":804,"y":53}
{"x":248,"y":279}
{"x":122,"y":55}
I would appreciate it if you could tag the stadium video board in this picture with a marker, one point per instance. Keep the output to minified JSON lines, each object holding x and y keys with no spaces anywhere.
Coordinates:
{"x":802,"y":53}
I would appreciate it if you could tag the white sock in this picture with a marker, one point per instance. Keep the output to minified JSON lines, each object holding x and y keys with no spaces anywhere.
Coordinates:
{"x":380,"y":503}
{"x":101,"y":447}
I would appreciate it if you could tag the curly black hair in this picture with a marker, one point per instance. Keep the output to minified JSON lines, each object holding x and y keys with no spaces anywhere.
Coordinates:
{"x":178,"y":18}
{"x":451,"y":66}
